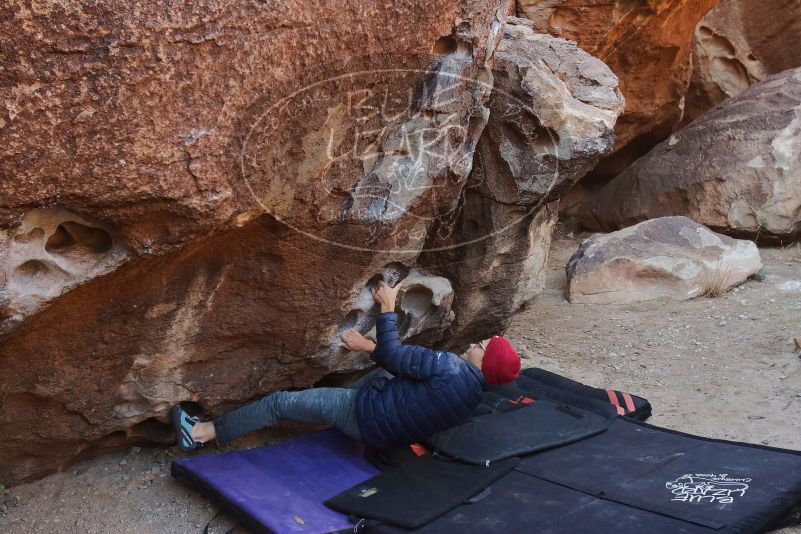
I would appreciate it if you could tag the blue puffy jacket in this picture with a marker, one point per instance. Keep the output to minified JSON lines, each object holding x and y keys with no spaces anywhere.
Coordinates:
{"x":431,"y":391}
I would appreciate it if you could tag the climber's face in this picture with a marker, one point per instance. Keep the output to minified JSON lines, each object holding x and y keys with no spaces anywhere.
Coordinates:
{"x":475,"y":352}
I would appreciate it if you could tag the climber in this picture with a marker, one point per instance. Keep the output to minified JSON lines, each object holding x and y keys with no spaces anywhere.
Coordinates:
{"x":415,"y":393}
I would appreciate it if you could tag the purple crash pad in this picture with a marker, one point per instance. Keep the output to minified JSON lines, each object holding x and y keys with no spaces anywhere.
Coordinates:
{"x":281,"y":488}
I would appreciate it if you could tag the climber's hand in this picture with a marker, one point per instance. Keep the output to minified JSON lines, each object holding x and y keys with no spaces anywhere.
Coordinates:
{"x":356,"y":342}
{"x":385,"y":295}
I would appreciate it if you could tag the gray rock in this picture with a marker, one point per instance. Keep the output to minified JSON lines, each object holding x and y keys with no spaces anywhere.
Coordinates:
{"x":669,"y":257}
{"x":735,"y":169}
{"x":552,"y":114}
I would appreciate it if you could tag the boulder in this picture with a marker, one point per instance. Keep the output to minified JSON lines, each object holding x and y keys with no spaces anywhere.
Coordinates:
{"x":195,"y":200}
{"x":648,"y":45}
{"x":668,"y":257}
{"x":208,"y":198}
{"x":735,"y":169}
{"x":552,"y":115}
{"x":739,"y":43}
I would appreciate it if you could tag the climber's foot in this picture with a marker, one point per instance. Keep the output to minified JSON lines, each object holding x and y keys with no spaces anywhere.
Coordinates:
{"x":182,"y":422}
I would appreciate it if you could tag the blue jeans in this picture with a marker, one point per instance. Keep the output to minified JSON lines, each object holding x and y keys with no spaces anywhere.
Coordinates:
{"x":318,"y":406}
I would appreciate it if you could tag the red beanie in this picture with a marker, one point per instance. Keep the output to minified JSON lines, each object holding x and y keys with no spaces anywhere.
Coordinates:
{"x":501,"y":362}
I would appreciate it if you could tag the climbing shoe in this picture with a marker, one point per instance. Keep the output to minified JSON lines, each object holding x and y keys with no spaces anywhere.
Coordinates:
{"x":182,"y":422}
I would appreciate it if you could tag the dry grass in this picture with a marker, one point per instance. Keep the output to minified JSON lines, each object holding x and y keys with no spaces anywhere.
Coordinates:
{"x":715,"y":281}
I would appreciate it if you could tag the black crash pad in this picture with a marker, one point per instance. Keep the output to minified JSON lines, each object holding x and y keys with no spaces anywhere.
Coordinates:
{"x":635,"y":478}
{"x":521,"y":503}
{"x":541,"y":425}
{"x":719,"y":484}
{"x":418,"y":491}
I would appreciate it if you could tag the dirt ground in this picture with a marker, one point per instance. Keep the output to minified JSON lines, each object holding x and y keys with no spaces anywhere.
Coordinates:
{"x":723,"y":367}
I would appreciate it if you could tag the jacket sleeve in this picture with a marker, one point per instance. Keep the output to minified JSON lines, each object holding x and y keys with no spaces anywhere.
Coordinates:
{"x":408,"y":360}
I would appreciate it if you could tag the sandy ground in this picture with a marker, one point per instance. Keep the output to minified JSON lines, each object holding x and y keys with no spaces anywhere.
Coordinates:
{"x":723,"y":367}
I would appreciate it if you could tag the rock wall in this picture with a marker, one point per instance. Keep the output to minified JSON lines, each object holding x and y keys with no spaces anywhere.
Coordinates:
{"x":552,"y":114}
{"x":201,"y":198}
{"x":738,"y":43}
{"x":197,"y":196}
{"x":648,"y":45}
{"x":159,"y":128}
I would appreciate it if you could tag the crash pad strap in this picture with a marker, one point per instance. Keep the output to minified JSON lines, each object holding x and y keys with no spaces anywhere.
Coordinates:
{"x":614,"y":402}
{"x":629,"y":402}
{"x":548,"y":385}
{"x":418,"y":449}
